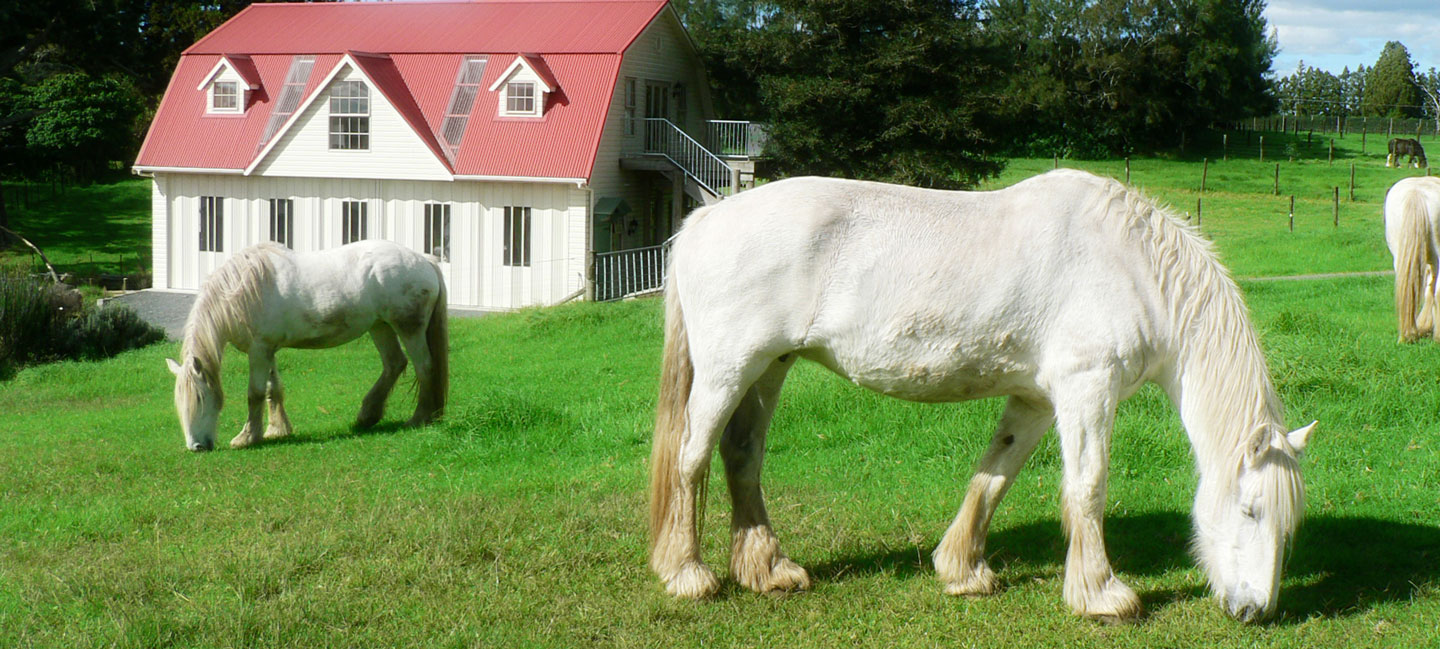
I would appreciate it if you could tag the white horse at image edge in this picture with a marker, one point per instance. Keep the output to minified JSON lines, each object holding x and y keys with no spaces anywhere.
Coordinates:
{"x":1065,"y":293}
{"x":1412,"y":230}
{"x":267,"y":297}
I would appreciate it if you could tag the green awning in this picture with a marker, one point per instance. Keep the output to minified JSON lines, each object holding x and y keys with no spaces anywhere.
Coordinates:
{"x":611,"y":207}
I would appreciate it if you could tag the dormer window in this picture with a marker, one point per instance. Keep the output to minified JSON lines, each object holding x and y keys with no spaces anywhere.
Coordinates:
{"x":520,"y":98}
{"x":224,"y":97}
{"x":229,"y":84}
{"x":349,"y":116}
{"x":524,"y":86}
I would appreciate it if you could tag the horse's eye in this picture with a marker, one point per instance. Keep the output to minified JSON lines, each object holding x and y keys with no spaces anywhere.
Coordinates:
{"x":1250,"y":513}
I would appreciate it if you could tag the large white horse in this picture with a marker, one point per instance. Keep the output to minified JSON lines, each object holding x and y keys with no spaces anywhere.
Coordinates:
{"x":1412,"y":230}
{"x":1065,"y":292}
{"x":267,"y":297}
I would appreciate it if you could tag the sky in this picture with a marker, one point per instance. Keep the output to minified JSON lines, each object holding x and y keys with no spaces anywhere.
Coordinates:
{"x":1335,"y":34}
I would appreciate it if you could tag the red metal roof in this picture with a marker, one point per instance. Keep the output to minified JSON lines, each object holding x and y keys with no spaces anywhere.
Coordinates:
{"x":414,"y":51}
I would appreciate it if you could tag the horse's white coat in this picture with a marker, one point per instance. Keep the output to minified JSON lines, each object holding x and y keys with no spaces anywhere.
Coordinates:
{"x":1065,"y":293}
{"x":267,"y":297}
{"x":1412,"y":230}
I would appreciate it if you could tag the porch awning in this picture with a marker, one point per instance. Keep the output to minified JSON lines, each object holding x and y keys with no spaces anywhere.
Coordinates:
{"x":611,"y":207}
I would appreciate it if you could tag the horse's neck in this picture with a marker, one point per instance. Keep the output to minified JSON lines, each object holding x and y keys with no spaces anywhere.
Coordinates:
{"x":1220,"y":381}
{"x":207,"y":332}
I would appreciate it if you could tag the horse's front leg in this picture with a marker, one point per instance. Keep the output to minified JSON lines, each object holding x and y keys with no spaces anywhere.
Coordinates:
{"x":960,"y":557}
{"x":279,"y":422}
{"x":1085,"y":414}
{"x":755,"y":557}
{"x":261,"y":363}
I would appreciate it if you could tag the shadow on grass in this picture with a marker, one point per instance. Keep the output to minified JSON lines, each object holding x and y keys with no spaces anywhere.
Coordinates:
{"x":1344,"y":565}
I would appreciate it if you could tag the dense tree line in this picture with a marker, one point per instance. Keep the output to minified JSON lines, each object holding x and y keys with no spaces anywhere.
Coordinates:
{"x":931,"y":91}
{"x":1392,"y":87}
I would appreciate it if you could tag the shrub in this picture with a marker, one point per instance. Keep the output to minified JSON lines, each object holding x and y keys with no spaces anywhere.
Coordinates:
{"x":107,"y":331}
{"x":28,"y":321}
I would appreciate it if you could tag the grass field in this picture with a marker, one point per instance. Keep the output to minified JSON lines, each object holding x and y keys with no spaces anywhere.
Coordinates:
{"x":87,"y":230}
{"x":518,"y":520}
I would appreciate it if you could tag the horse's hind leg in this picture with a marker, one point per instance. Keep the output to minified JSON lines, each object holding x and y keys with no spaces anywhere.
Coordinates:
{"x":392,"y":364}
{"x":960,"y":558}
{"x":675,"y":556}
{"x":427,"y":405}
{"x":755,"y":557}
{"x":279,"y":425}
{"x":1084,"y":416}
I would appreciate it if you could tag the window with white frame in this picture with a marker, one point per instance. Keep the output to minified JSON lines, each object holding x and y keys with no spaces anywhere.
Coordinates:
{"x":630,"y":97}
{"x":520,"y":98}
{"x":212,"y":224}
{"x":224,"y":97}
{"x":354,"y":224}
{"x":437,"y":230}
{"x":517,"y":236}
{"x":282,"y":221}
{"x":349,"y":115}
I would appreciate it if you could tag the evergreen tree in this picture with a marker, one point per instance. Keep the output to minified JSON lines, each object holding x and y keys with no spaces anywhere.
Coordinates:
{"x":1390,"y":89}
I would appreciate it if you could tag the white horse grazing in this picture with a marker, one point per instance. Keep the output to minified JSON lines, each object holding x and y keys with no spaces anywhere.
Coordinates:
{"x":267,"y":297}
{"x":1412,"y":230}
{"x":1065,"y":292}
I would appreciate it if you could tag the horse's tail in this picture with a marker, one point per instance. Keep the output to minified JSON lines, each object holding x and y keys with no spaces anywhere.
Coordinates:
{"x":677,"y":374}
{"x":437,"y":340}
{"x":1410,"y":266}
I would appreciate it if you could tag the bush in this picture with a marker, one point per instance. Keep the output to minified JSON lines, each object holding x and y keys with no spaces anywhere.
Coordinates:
{"x":28,"y":321}
{"x":107,"y":331}
{"x":37,"y":326}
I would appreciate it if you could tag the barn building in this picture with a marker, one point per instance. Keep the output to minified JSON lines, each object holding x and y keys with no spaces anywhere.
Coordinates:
{"x":542,"y":149}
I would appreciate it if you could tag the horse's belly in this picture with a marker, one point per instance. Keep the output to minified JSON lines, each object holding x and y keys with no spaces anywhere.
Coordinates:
{"x":932,"y":379}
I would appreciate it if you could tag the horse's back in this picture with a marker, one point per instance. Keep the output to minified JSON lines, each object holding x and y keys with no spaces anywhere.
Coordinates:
{"x":1425,"y":190}
{"x":331,"y":296}
{"x":915,"y":292}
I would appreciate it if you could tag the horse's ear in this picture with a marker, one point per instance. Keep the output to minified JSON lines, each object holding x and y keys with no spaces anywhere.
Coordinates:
{"x":1300,"y":437}
{"x":175,"y":368}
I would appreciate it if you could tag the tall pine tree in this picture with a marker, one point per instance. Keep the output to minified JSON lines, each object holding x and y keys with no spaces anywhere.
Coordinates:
{"x":1390,"y":89}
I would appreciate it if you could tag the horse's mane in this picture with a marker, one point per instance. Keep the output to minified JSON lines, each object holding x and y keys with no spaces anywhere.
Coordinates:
{"x":227,"y":302}
{"x":1227,"y":400}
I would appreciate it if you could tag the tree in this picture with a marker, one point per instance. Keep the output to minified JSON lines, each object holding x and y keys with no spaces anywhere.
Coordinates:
{"x":1311,"y":91}
{"x":83,"y":122}
{"x":1100,"y":76}
{"x":883,"y":91}
{"x":1390,"y":88}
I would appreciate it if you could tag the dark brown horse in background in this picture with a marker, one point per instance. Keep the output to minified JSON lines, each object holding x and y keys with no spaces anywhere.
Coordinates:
{"x":1406,"y":147}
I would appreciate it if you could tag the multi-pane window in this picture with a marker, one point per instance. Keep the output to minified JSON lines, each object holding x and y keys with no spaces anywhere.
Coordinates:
{"x":630,"y":96}
{"x":354,"y":225}
{"x":212,"y":224}
{"x":520,"y":98}
{"x":437,"y":230}
{"x":349,"y":115}
{"x":224,"y":96}
{"x":282,"y":221}
{"x":517,"y":236}
{"x":462,"y":100}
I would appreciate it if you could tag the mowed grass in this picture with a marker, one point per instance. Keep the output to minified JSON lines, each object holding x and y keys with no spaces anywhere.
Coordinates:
{"x":519,"y":520}
{"x":87,"y":230}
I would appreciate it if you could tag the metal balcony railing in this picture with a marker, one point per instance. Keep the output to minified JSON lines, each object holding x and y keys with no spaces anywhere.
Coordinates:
{"x":735,"y":138}
{"x":696,"y":161}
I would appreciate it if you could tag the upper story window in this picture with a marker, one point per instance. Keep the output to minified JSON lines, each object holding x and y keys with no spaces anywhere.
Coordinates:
{"x":630,"y":96}
{"x":520,"y":98}
{"x":224,"y":97}
{"x":350,"y":115}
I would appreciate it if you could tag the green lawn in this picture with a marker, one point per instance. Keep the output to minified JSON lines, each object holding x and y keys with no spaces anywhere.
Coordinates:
{"x":519,"y":519}
{"x":87,"y":230}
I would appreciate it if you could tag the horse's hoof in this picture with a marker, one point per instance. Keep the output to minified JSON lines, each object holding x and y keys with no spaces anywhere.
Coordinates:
{"x":786,"y":575}
{"x":981,"y":581}
{"x":276,"y":433}
{"x":694,"y":581}
{"x":364,"y":422}
{"x":241,"y":441}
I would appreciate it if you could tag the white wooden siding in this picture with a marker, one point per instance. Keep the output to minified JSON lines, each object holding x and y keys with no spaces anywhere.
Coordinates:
{"x":476,"y":276}
{"x":159,"y":239}
{"x":661,"y":53}
{"x":395,"y":152}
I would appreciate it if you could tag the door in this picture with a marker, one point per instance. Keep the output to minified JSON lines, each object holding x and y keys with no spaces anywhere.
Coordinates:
{"x":657,"y":105}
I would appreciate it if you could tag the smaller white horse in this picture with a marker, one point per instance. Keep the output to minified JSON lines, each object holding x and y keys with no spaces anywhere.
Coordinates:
{"x":267,"y":297}
{"x":1412,"y":225}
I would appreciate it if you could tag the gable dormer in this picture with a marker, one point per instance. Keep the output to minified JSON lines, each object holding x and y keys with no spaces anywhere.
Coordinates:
{"x":230,"y":86}
{"x":524,"y":87}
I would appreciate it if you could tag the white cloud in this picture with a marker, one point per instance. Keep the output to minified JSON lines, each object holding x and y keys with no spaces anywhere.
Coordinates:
{"x":1336,"y":34}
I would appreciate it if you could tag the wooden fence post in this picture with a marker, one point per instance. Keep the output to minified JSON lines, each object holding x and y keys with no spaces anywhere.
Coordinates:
{"x":1225,"y":147}
{"x":1292,"y":213}
{"x":1352,"y":182}
{"x":1277,"y":179}
{"x":1337,"y":207}
{"x":1332,"y":153}
{"x":1198,"y":202}
{"x":1127,"y":170}
{"x":1262,"y":148}
{"x":1204,"y":173}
